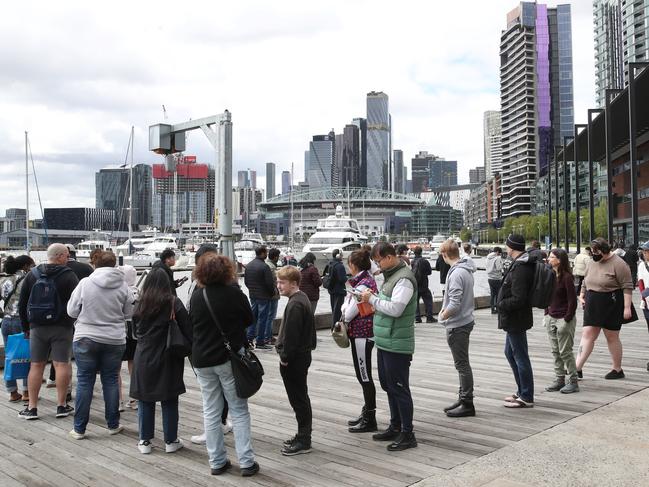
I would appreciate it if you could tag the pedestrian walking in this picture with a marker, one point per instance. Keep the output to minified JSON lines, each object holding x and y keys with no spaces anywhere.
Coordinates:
{"x":394,"y":336}
{"x":560,"y":322}
{"x":457,"y":317}
{"x":582,"y":259}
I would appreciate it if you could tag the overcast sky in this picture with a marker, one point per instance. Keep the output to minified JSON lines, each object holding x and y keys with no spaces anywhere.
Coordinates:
{"x":77,"y":75}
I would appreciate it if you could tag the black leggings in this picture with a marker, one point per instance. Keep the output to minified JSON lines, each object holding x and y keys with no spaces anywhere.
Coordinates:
{"x":362,"y":358}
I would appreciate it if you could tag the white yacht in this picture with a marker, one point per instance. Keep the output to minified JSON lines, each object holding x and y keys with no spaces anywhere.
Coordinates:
{"x":96,"y":240}
{"x":159,"y":244}
{"x":334,"y":232}
{"x":244,"y":249}
{"x":133,"y":245}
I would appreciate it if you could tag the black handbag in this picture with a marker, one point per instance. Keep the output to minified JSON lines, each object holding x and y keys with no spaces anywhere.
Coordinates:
{"x":177,"y":343}
{"x":246,"y":367}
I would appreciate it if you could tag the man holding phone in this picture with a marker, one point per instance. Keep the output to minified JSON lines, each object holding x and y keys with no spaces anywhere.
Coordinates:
{"x":166,"y":262}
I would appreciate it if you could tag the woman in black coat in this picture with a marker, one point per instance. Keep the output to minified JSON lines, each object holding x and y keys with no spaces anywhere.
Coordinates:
{"x":158,"y":375}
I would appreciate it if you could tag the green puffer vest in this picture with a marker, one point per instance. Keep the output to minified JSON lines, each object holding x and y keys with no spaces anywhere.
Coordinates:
{"x":396,"y":334}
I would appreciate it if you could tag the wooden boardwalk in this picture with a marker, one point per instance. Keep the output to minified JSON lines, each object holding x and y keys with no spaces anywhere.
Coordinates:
{"x":39,"y":453}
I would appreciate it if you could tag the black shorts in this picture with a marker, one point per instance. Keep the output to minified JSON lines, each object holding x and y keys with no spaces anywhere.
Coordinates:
{"x":605,"y":310}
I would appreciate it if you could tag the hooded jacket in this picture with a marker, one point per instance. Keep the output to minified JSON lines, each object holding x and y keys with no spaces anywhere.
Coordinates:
{"x":494,"y":266}
{"x":458,"y":300}
{"x":514,"y":308}
{"x":581,"y":262}
{"x":102,"y":303}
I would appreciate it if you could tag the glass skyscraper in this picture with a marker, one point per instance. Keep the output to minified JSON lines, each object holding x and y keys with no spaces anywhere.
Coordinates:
{"x":378,"y":140}
{"x":112,"y":190}
{"x":321,"y":159}
{"x":270,"y":179}
{"x":536,"y":96}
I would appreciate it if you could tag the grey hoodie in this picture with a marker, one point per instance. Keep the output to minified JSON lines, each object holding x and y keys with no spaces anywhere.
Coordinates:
{"x":458,"y":299}
{"x":494,"y":266}
{"x":102,"y":303}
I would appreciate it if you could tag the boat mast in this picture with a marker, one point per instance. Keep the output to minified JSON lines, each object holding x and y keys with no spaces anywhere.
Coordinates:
{"x":130,"y":194}
{"x":290,"y":194}
{"x":27,"y":246}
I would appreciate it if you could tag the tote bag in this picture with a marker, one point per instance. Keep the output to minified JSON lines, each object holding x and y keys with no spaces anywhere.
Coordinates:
{"x":17,"y":358}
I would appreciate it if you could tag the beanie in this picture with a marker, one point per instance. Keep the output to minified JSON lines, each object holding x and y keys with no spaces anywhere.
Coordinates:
{"x":516,"y":242}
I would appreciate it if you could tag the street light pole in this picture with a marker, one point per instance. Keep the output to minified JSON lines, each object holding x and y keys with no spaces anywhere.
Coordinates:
{"x":538,"y":224}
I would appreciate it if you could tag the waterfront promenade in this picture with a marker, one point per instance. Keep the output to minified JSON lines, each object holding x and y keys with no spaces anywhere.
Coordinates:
{"x":554,"y":444}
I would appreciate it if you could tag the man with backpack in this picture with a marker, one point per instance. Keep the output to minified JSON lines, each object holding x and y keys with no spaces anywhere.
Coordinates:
{"x":515,"y":318}
{"x":42,"y":307}
{"x":421,"y":268}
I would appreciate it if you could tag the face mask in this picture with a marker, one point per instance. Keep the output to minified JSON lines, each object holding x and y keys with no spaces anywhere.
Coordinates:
{"x":597,"y":257}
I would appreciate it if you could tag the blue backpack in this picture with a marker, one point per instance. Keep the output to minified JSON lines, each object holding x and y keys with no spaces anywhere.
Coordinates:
{"x":44,"y":306}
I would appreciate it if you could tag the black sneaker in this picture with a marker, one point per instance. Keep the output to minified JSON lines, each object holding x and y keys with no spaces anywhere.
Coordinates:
{"x":418,"y":320}
{"x":28,"y":413}
{"x":298,"y":447}
{"x":432,"y":319}
{"x":290,"y":441}
{"x":250,"y":471}
{"x":64,"y":411}
{"x":614,"y":374}
{"x":221,"y":470}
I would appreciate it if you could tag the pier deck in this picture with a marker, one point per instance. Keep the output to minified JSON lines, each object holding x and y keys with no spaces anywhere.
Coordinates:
{"x":39,"y":453}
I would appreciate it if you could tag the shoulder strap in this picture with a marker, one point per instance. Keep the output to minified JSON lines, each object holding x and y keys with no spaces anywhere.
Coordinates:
{"x":13,"y":290}
{"x":214,"y":319}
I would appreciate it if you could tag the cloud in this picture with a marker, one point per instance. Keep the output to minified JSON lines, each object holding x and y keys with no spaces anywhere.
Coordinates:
{"x":77,"y":75}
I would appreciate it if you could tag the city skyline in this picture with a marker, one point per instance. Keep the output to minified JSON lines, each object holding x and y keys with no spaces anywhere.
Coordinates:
{"x":79,"y":109}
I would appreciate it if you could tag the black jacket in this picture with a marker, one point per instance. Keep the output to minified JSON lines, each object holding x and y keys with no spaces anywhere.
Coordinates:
{"x":336,"y":269}
{"x":65,"y":282}
{"x":514,"y":308}
{"x":443,"y":269}
{"x":233,"y":311}
{"x":258,"y":278}
{"x":170,"y":274}
{"x":80,"y":269}
{"x":297,"y":333}
{"x":421,"y":268}
{"x":157,"y":375}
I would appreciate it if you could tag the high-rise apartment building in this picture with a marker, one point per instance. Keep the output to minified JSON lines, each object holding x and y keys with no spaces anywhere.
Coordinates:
{"x":361,"y":124}
{"x":430,"y":171}
{"x":621,"y":30}
{"x":378,"y":141}
{"x":321,"y":158}
{"x":253,"y":179}
{"x":492,"y":143}
{"x":536,"y":96}
{"x":286,"y":182}
{"x":477,"y":175}
{"x":112,"y":193}
{"x":186,"y":196}
{"x":270,"y":179}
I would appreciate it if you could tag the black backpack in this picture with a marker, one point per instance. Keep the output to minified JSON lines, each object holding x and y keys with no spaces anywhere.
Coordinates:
{"x":543,"y":285}
{"x":44,"y":306}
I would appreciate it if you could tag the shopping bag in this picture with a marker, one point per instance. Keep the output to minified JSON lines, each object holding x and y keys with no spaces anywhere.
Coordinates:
{"x":17,"y":358}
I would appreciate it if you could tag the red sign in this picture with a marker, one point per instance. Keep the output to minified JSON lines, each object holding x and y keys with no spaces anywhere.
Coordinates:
{"x":190,"y":171}
{"x":189,"y":159}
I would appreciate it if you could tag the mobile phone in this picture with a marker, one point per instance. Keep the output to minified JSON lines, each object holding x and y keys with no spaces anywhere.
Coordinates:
{"x":354,"y":292}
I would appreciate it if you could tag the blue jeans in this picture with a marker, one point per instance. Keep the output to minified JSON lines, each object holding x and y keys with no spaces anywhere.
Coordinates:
{"x":260,"y":310}
{"x":217,"y":383}
{"x":92,"y":357}
{"x":10,"y":326}
{"x":146,"y":419}
{"x":519,"y":361}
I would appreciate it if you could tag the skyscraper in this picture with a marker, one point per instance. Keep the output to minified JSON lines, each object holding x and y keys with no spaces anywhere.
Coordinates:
{"x":621,"y":30}
{"x":477,"y":175}
{"x":337,"y":174}
{"x":270,"y":179}
{"x":492,"y":143}
{"x":242,"y":179}
{"x":112,"y":193}
{"x":286,"y":182}
{"x":253,"y":179}
{"x":378,"y":140}
{"x":361,"y":123}
{"x":399,"y":171}
{"x":351,"y":156}
{"x":321,"y":158}
{"x":430,"y":171}
{"x":536,"y":96}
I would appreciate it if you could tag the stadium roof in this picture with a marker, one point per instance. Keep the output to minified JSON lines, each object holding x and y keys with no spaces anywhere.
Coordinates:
{"x":342,"y":194}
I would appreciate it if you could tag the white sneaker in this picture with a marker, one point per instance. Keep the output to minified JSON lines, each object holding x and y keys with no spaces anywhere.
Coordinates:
{"x":199,"y":439}
{"x":50,"y":384}
{"x":144,"y":446}
{"x":76,"y":436}
{"x":132,"y":403}
{"x":115,"y":431}
{"x":227,"y":427}
{"x":121,"y":407}
{"x":174,"y":446}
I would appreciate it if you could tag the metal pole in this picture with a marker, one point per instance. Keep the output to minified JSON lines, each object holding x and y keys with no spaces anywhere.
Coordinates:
{"x":577,"y":196}
{"x":591,"y":177}
{"x":27,"y":246}
{"x":556,"y":195}
{"x":609,"y":165}
{"x":224,"y":190}
{"x":566,"y":193}
{"x":633,"y":150}
{"x":550,"y":198}
{"x":130,"y":195}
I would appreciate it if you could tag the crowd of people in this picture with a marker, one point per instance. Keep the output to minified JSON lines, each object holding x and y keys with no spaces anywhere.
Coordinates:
{"x":98,"y":315}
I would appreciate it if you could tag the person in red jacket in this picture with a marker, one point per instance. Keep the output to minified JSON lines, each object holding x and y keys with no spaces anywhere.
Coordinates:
{"x":560,"y":322}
